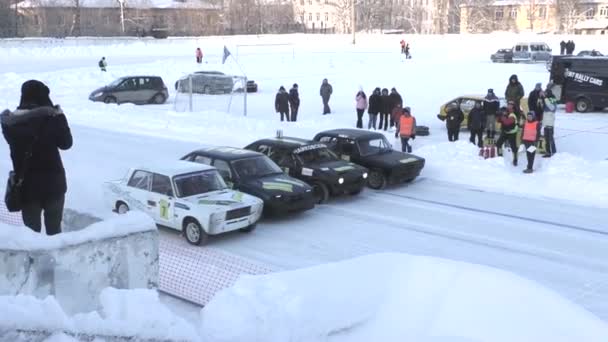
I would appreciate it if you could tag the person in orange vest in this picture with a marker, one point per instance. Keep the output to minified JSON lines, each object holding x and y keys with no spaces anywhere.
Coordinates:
{"x":407,"y":129}
{"x":199,"y":55}
{"x":530,"y":136}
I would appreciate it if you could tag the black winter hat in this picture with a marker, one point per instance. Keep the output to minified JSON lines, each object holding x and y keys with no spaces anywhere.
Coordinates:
{"x":34,"y":94}
{"x":282,"y":88}
{"x":490,"y":91}
{"x":295,"y":85}
{"x":407,"y":110}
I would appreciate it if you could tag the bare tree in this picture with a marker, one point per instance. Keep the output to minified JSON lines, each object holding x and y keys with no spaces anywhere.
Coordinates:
{"x":343,"y":13}
{"x":568,"y":14}
{"x":481,"y":16}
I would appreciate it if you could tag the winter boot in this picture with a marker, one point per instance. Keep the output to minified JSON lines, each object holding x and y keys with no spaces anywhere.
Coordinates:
{"x":528,"y":171}
{"x":514,"y":162}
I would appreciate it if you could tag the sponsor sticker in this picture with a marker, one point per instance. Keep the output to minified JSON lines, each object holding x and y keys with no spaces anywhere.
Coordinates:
{"x":407,"y":160}
{"x":307,"y":172}
{"x":582,"y":78}
{"x":308,"y":148}
{"x":277,"y":186}
{"x":343,"y":168}
{"x":345,"y":157}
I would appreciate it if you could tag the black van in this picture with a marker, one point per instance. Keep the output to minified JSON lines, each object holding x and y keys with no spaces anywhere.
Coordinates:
{"x":582,"y":80}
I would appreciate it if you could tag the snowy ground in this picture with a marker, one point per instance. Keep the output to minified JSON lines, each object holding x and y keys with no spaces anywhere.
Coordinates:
{"x":549,"y":226}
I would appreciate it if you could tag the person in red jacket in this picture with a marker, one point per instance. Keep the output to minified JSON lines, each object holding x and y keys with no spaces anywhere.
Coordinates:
{"x":199,"y":55}
{"x":402,"y":46}
{"x":529,"y":137}
{"x":508,"y":132}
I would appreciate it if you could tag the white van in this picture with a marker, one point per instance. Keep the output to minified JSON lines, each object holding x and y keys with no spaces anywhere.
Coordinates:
{"x":531,"y":52}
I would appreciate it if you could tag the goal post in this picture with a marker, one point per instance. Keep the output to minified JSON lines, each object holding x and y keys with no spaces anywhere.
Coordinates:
{"x":211,"y":92}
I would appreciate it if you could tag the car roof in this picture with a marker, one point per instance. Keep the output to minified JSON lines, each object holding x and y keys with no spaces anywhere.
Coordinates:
{"x":138,"y":76}
{"x":210,"y":72}
{"x":227,"y":153}
{"x":351,"y":133}
{"x":289,"y":142}
{"x":174,"y":167}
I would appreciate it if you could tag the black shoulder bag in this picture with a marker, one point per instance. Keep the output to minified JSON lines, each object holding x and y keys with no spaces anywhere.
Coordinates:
{"x":13,"y":197}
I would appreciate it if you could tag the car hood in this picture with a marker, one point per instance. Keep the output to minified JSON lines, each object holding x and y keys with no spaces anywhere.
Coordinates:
{"x":223,"y":199}
{"x":392,"y":158}
{"x":276,"y":185}
{"x":337,"y":166}
{"x":99,"y":90}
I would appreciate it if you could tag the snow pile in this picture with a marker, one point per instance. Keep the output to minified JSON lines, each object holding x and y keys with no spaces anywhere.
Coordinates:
{"x":136,"y":313}
{"x":564,"y":176}
{"x":395,"y":297}
{"x":21,"y":238}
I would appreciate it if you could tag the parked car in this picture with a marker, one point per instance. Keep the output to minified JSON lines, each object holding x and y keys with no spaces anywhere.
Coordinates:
{"x":315,"y":164}
{"x":252,"y":87}
{"x":581,"y":80}
{"x":206,"y":82}
{"x":185,"y":196}
{"x":256,"y":174}
{"x":373,"y":151}
{"x":502,"y":56}
{"x":132,"y":89}
{"x":590,"y":53}
{"x":531,"y":52}
{"x":467,"y":102}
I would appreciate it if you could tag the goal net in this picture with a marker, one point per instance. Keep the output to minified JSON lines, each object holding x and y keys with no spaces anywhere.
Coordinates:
{"x":211,"y":91}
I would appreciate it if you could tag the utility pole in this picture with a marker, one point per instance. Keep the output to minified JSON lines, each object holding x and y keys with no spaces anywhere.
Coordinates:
{"x":352,"y":21}
{"x":122,"y":14}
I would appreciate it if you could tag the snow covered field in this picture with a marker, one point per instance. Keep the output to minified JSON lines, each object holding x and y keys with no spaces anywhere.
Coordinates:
{"x":549,"y":226}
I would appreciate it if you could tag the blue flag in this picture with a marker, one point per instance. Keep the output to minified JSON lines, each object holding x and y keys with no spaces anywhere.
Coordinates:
{"x":226,"y":54}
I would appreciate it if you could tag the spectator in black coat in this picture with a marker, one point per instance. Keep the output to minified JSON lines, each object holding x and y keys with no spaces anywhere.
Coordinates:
{"x":385,"y":109}
{"x":453,"y":120}
{"x":475,"y":124}
{"x":562,"y":47}
{"x":491,"y":103}
{"x":374,"y":107}
{"x":396,"y":101}
{"x":536,"y":102}
{"x":41,"y":129}
{"x":281,"y":103}
{"x":294,"y":101}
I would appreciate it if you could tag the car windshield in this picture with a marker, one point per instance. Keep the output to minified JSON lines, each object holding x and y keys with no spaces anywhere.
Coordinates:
{"x":197,"y":183}
{"x":374,"y":146}
{"x":315,"y":154}
{"x":116,"y":82}
{"x":255,"y":167}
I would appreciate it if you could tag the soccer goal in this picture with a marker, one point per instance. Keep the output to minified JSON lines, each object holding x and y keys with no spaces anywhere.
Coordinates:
{"x":284,"y":50}
{"x":211,"y":91}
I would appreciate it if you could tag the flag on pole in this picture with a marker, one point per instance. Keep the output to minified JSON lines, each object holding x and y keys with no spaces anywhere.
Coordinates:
{"x":226,"y":54}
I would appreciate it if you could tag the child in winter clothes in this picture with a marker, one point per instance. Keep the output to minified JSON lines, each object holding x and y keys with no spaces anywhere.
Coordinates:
{"x":361,"y":106}
{"x":375,"y":105}
{"x":406,"y":126}
{"x":530,"y":136}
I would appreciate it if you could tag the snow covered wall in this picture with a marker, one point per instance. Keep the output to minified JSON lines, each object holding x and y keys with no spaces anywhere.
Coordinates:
{"x":121,"y":252}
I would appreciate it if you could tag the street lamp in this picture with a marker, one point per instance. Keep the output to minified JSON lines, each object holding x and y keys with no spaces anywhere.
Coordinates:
{"x":122,"y":14}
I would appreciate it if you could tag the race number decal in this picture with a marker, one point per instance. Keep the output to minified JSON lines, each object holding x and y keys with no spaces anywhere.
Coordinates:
{"x":307,"y":172}
{"x":164,"y":209}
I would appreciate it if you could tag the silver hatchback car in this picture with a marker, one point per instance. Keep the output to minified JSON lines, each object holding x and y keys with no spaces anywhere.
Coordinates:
{"x":133,"y":89}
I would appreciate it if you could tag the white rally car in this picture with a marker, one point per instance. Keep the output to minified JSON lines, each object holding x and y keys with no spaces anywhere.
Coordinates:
{"x":186,"y":196}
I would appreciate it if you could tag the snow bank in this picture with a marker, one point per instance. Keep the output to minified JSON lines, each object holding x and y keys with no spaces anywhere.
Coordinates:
{"x":75,"y":266}
{"x":122,"y":313}
{"x":395,"y":297}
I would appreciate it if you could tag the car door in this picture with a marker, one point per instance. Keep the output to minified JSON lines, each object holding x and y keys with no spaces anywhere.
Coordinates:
{"x":126,"y":91}
{"x":138,"y":188}
{"x":161,"y":200}
{"x":145,"y":90}
{"x":223,"y":167}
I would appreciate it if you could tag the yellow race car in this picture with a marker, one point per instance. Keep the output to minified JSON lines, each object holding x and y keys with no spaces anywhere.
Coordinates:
{"x":467,"y":102}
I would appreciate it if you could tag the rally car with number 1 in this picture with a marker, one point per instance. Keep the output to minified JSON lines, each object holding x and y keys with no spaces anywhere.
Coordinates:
{"x":314,"y":164}
{"x":256,"y":174}
{"x":189,"y":197}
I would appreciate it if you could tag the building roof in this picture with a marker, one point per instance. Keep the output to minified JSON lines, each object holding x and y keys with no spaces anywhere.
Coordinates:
{"x":194,"y":4}
{"x":174,"y":167}
{"x":596,"y":24}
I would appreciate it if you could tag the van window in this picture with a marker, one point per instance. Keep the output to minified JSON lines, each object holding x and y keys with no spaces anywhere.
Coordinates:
{"x":524,"y":48}
{"x":518,"y":48}
{"x":534,"y":47}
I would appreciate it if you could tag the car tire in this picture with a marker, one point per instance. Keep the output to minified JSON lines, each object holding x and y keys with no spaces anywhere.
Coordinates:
{"x":109,"y":99}
{"x":158,"y":99}
{"x":121,"y":207}
{"x":376,"y":180}
{"x":207,"y":90}
{"x":320,"y":192}
{"x":194,"y":232}
{"x":248,"y":229}
{"x":583,"y":105}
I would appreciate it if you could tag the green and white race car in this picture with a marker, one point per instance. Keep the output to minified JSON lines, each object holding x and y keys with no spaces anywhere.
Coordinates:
{"x":185,"y":196}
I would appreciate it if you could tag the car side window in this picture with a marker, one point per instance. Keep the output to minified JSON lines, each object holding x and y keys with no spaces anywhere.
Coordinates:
{"x":326,"y":139}
{"x":128,"y":84}
{"x":223,"y":168}
{"x":145,"y":83}
{"x":161,"y":185}
{"x":140,"y":180}
{"x":201,"y":160}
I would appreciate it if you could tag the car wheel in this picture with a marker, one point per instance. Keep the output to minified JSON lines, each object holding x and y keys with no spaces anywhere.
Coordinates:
{"x":376,"y":180}
{"x":583,"y":105}
{"x":122,"y":208}
{"x":109,"y":99}
{"x":194,"y":233}
{"x":248,"y":229}
{"x":206,"y":89}
{"x":158,"y":99}
{"x":320,"y":192}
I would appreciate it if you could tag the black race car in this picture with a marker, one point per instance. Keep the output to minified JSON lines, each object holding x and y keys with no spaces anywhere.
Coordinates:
{"x":315,"y":164}
{"x":373,"y":151}
{"x":255,"y":174}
